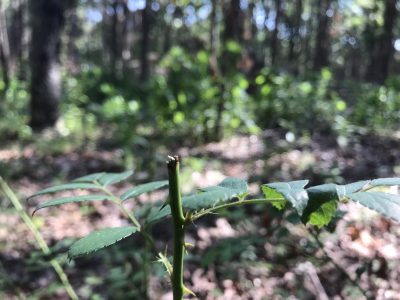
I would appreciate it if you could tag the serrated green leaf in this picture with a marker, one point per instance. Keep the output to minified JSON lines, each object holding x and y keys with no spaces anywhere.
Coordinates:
{"x":386,"y":181}
{"x":324,"y":214}
{"x":143,"y":188}
{"x":356,"y":186}
{"x":383,"y":203}
{"x":90,"y":177}
{"x":111,"y":178}
{"x":230,"y":183}
{"x":65,"y":187}
{"x":322,"y":203}
{"x":293,"y":191}
{"x":157,"y":213}
{"x":105,"y":178}
{"x":270,"y":193}
{"x":100,"y":239}
{"x":65,"y":200}
{"x":214,"y":195}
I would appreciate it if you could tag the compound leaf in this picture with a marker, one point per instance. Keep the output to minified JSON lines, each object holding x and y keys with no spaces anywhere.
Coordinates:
{"x":214,"y":195}
{"x":100,"y":239}
{"x":90,"y":178}
{"x":385,"y":181}
{"x":293,"y":191}
{"x":158,"y":213}
{"x":105,"y":178}
{"x":143,"y":188}
{"x":65,"y":200}
{"x":322,"y":203}
{"x":111,"y":178}
{"x":355,"y":186}
{"x":383,"y":203}
{"x":270,"y":193}
{"x":230,"y":183}
{"x":65,"y":187}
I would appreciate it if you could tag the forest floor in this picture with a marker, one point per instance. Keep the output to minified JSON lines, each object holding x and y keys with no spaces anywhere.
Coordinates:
{"x":250,"y":253}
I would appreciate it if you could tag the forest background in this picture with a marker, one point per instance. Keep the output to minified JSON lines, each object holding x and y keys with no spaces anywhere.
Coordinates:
{"x":263,"y":90}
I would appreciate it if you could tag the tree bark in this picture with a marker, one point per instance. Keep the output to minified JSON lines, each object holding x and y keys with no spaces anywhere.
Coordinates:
{"x":233,"y":21}
{"x":4,"y":49}
{"x":378,"y":68}
{"x":386,"y":43}
{"x":47,"y":17}
{"x":114,"y":55}
{"x":17,"y":30}
{"x":321,"y":51}
{"x":294,"y":40}
{"x":274,"y":38}
{"x":145,"y":41}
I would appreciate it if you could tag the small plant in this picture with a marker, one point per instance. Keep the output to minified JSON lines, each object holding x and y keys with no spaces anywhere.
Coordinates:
{"x":316,"y":205}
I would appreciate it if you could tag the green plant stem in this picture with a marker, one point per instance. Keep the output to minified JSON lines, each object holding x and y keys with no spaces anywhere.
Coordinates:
{"x":179,"y":230}
{"x":233,"y":204}
{"x":121,"y":206}
{"x":38,"y":237}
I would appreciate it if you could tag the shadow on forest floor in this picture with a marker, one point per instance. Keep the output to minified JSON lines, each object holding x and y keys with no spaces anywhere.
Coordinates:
{"x":254,"y":255}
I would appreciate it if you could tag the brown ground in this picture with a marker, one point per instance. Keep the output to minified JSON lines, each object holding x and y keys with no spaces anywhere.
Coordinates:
{"x":283,"y":261}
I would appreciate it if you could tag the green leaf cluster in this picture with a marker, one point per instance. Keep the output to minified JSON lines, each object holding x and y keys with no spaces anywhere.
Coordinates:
{"x":317,"y":205}
{"x":99,"y":182}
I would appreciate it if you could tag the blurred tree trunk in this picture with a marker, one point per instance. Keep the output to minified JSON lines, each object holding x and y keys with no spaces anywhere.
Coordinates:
{"x":321,"y":51}
{"x":4,"y":49}
{"x":127,"y":36}
{"x":214,"y":30}
{"x":386,"y":42}
{"x":294,"y":39}
{"x":145,"y":42}
{"x":213,"y":60}
{"x":233,"y":21}
{"x":114,"y":55}
{"x":47,"y":20}
{"x":381,"y":44}
{"x":74,"y":32}
{"x":274,"y":37}
{"x":17,"y":28}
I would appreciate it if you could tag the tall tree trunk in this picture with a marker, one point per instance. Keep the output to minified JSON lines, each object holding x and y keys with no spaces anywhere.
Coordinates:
{"x":74,"y":32}
{"x":214,"y":68}
{"x":114,"y":38}
{"x":294,"y":40}
{"x":233,"y":21}
{"x":17,"y":28}
{"x":4,"y":49}
{"x":47,"y":17}
{"x":274,"y":38}
{"x":145,"y":41}
{"x":127,"y":36}
{"x":321,"y":51}
{"x":386,"y":42}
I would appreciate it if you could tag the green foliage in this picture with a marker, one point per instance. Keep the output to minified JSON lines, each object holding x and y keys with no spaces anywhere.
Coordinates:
{"x":72,"y":199}
{"x":143,"y":188}
{"x":316,"y":205}
{"x":291,"y":191}
{"x":100,"y":239}
{"x":383,"y":203}
{"x":215,"y":195}
{"x":189,"y":96}
{"x":13,"y":110}
{"x":322,"y":204}
{"x":65,"y":187}
{"x":298,"y":105}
